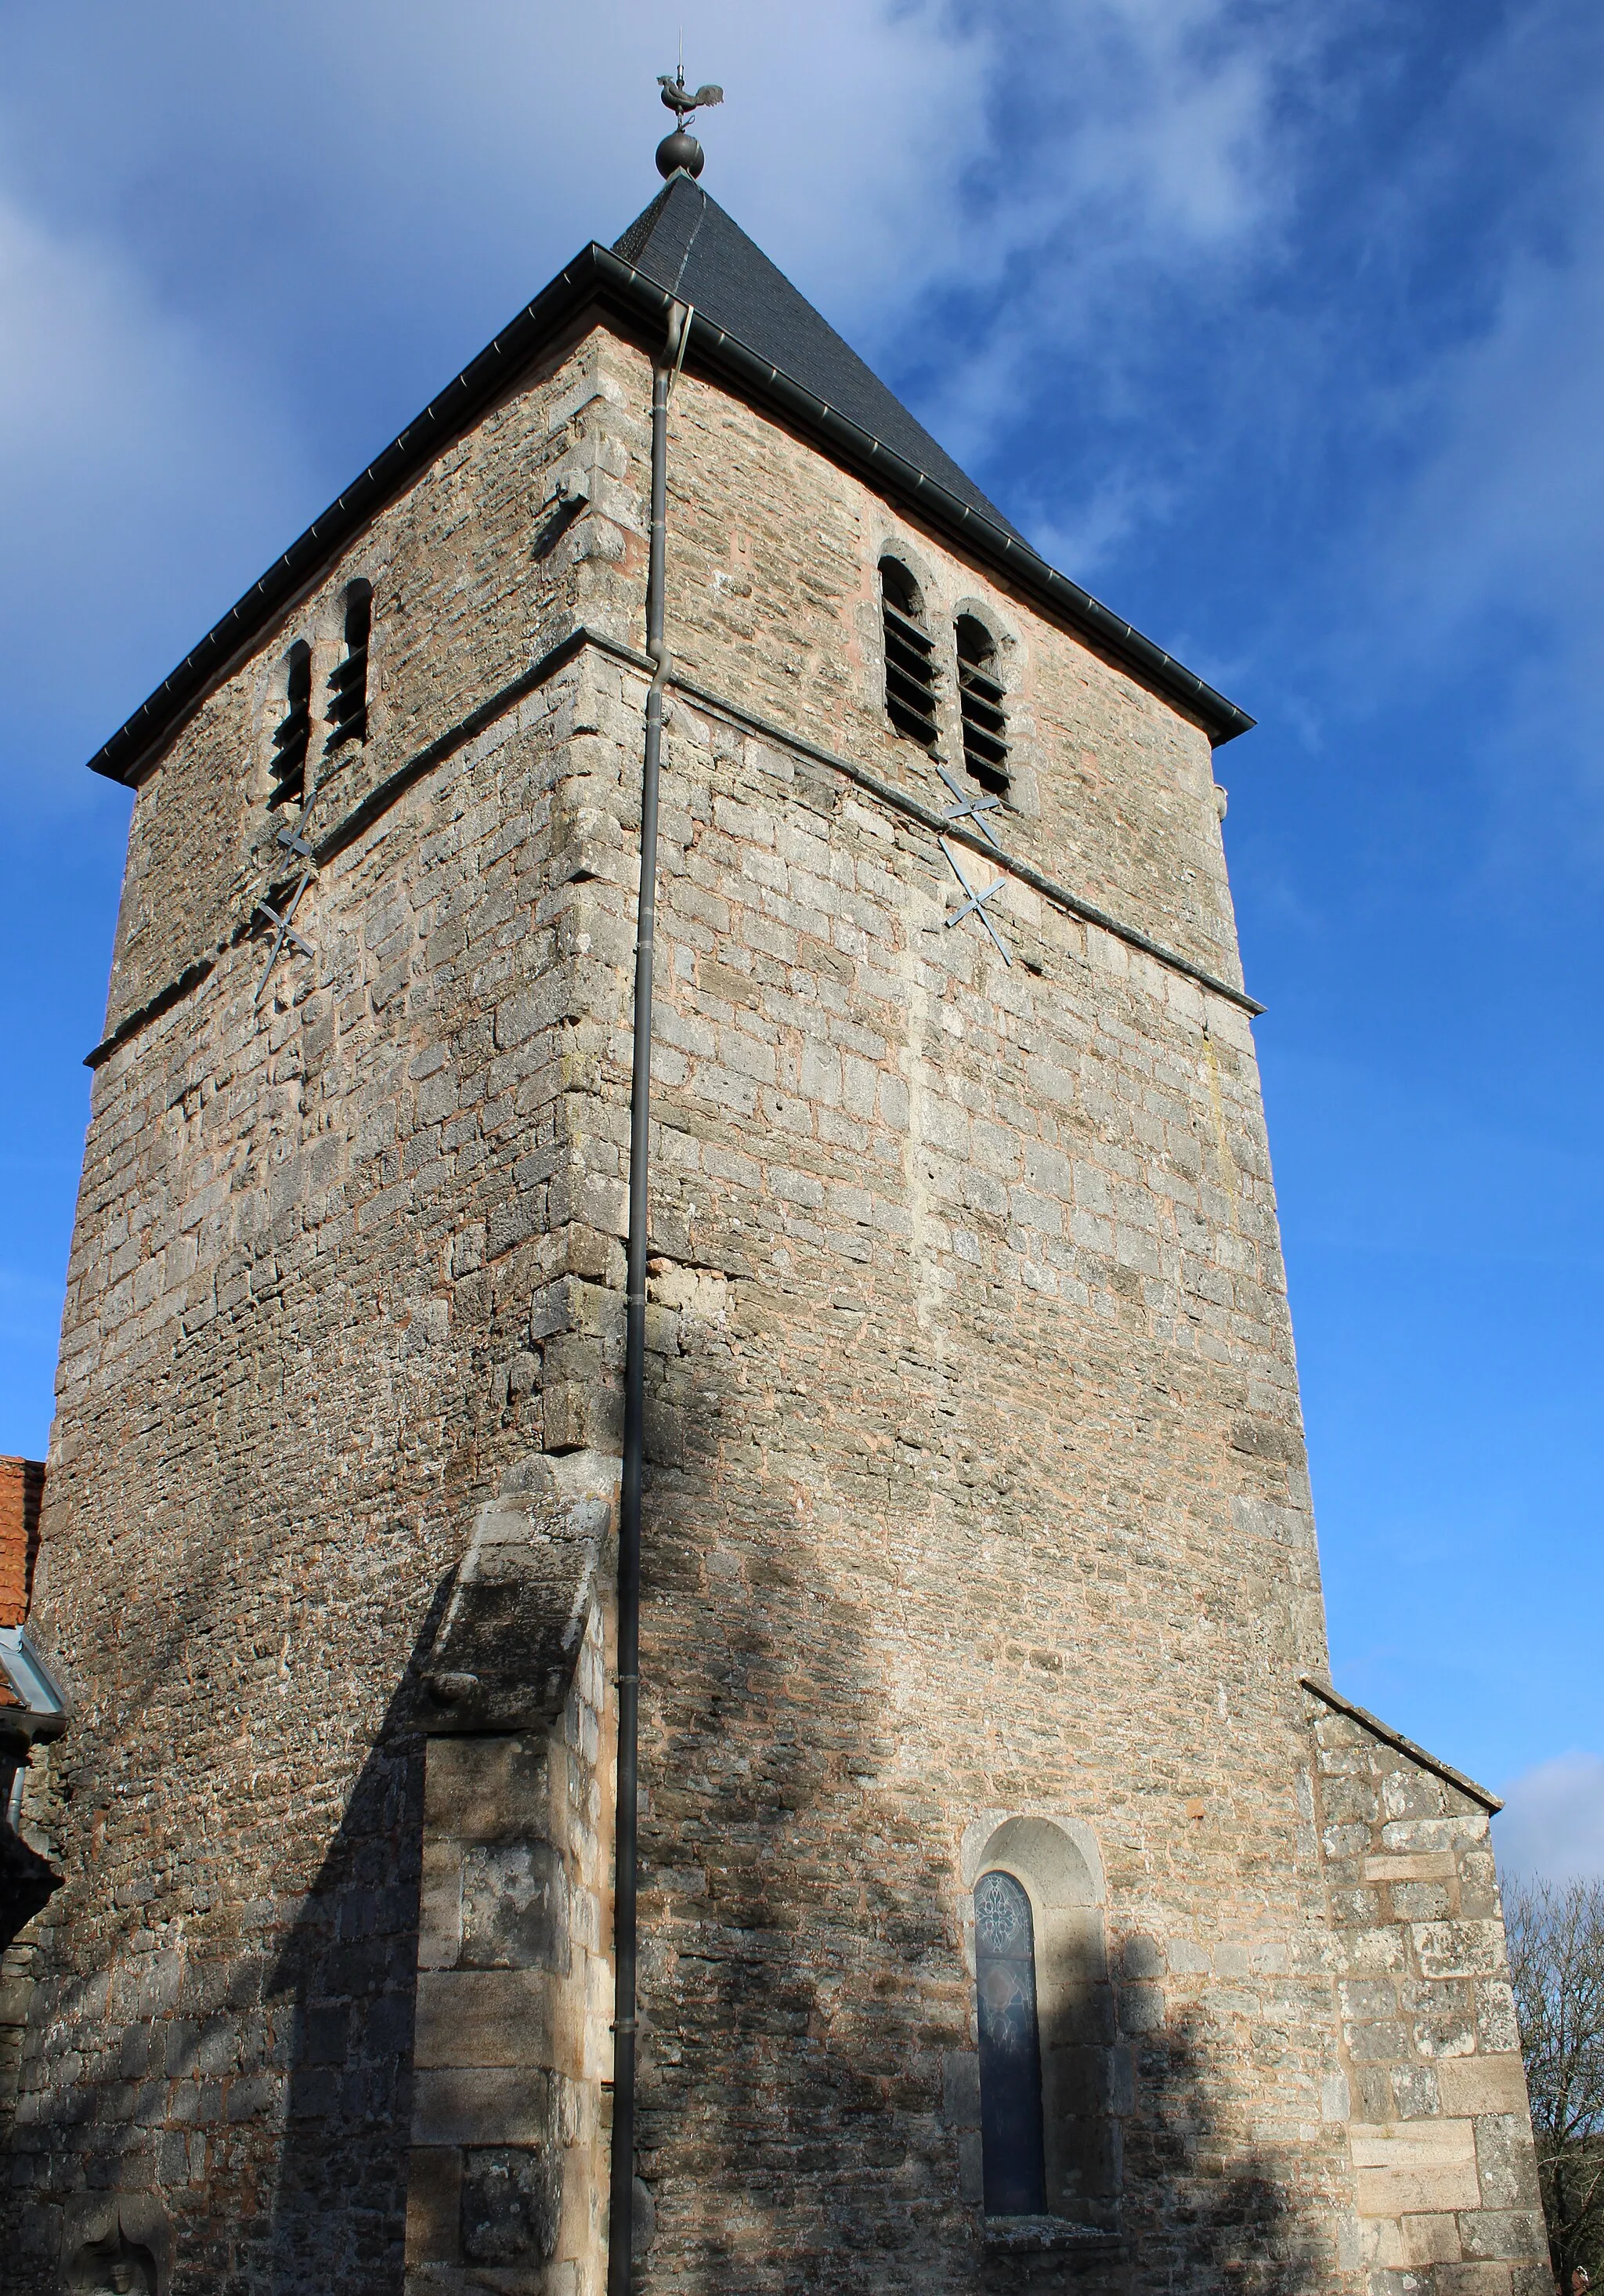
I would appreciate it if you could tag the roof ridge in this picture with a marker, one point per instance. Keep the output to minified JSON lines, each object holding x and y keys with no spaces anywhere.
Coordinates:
{"x":634,"y":235}
{"x":703,"y":256}
{"x":691,"y":242}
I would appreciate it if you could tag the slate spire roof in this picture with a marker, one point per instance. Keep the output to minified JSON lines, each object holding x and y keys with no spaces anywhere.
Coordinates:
{"x":757,"y":333}
{"x":686,"y":243}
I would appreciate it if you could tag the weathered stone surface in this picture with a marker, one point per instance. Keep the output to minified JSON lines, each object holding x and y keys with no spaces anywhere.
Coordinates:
{"x":1441,"y":2136}
{"x":977,"y":1494}
{"x":1414,"y":2168}
{"x":483,"y":2017}
{"x":511,"y":2205}
{"x":509,"y":1639}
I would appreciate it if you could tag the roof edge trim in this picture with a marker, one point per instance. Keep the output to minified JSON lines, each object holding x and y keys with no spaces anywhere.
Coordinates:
{"x":596,"y":275}
{"x":1366,"y":1720}
{"x":1152,"y":665}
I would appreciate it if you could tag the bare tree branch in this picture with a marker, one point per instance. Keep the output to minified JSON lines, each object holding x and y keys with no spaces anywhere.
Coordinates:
{"x":1557,"y":1964}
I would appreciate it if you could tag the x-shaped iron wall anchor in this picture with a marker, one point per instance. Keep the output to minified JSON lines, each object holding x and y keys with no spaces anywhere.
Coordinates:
{"x":294,"y":842}
{"x":969,"y":806}
{"x":976,"y":901}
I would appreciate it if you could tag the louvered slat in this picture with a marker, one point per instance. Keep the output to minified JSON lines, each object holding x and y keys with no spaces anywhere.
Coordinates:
{"x":980,"y":702}
{"x":909,"y":665}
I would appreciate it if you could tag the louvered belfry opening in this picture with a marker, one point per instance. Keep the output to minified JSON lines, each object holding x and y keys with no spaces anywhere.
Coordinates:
{"x":980,"y":699}
{"x":910,"y":656}
{"x":295,"y":729}
{"x":348,"y":686}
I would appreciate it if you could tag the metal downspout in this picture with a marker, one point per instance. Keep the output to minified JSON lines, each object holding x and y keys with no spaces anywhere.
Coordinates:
{"x":620,"y":2213}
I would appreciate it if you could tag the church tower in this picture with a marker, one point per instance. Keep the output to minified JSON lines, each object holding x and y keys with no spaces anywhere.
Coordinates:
{"x":1019,"y":1905}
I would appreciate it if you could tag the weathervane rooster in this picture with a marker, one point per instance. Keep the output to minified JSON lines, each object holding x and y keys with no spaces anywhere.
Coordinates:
{"x":679,"y":99}
{"x":680,"y":149}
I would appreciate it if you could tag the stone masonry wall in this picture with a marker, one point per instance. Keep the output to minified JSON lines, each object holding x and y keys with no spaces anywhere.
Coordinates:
{"x":982,"y":1493}
{"x":530,"y":523}
{"x":295,"y":1358}
{"x":1446,"y":2175}
{"x":978,"y":1486}
{"x":774,"y":598}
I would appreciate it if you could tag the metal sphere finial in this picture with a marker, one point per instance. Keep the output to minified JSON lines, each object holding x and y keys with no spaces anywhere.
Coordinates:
{"x":679,"y":150}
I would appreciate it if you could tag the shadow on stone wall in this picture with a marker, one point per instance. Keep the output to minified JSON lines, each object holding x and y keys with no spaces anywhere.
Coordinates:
{"x":786,"y":2072}
{"x":205,"y":2046}
{"x":342,"y":1991}
{"x":803,"y":1975}
{"x":1204,"y":2207}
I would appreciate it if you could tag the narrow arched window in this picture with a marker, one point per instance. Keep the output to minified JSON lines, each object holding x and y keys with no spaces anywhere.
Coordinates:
{"x":348,"y":686}
{"x":294,"y":729}
{"x":1012,"y":2164}
{"x":909,"y":656}
{"x":980,"y":702}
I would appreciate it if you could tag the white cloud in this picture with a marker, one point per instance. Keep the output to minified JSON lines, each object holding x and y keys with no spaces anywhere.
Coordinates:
{"x":236,"y":251}
{"x":130,"y":457}
{"x":1552,"y":1823}
{"x":1487,"y":553}
{"x":387,"y":151}
{"x":1504,"y":511}
{"x":1146,"y":162}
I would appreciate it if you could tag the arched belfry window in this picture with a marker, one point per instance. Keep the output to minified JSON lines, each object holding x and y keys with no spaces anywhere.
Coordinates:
{"x":1010,"y":2050}
{"x":348,"y":685}
{"x":909,"y":656}
{"x":980,"y":702}
{"x":294,"y":728}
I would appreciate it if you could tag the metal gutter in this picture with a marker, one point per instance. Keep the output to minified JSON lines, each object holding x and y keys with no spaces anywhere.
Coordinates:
{"x":620,"y":2206}
{"x":596,"y":276}
{"x":43,"y":1708}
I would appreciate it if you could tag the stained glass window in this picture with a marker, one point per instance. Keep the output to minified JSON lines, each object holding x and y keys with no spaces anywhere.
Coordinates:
{"x":1010,"y":2050}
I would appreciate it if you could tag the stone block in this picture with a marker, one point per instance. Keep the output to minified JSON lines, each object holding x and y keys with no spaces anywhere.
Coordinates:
{"x":971,"y":2173}
{"x":1422,"y":1866}
{"x":434,"y":2181}
{"x":1496,"y":2031}
{"x":1473,"y":2084}
{"x":1502,"y":2235}
{"x":1416,"y":2168}
{"x":490,"y":2017}
{"x":1506,"y":2161}
{"x":489,"y":2106}
{"x":1140,"y":2008}
{"x":1471,"y":2279}
{"x":440,"y":1905}
{"x":512,"y":2201}
{"x":1430,"y":2239}
{"x":514,"y":1907}
{"x":487,"y":1789}
{"x":1458,"y":1949}
{"x":960,"y":2089}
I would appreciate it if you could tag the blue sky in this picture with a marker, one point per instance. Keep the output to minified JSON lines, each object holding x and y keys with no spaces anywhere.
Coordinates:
{"x":1281,"y":327}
